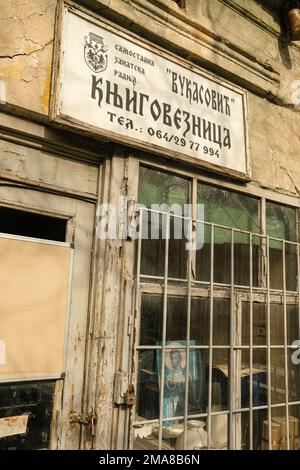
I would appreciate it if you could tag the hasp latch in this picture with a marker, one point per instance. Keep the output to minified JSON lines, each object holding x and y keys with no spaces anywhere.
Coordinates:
{"x":88,"y":419}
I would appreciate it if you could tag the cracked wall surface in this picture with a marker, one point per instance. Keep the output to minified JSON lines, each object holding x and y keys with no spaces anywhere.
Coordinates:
{"x":274,"y":146}
{"x":26,"y":48}
{"x":244,"y":29}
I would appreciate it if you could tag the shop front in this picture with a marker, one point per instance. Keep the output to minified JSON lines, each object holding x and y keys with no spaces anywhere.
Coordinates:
{"x":150,"y":266}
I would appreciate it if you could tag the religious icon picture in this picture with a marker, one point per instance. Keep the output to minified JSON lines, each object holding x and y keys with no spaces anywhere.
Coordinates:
{"x":176,"y":373}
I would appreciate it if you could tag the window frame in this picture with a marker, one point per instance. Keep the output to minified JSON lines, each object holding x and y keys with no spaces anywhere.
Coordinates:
{"x":236,"y":293}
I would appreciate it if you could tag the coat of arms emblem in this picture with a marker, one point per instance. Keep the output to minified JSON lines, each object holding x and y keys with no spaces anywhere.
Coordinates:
{"x":95,"y":53}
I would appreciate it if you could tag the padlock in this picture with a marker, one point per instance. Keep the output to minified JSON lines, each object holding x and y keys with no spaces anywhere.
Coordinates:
{"x":130,"y":397}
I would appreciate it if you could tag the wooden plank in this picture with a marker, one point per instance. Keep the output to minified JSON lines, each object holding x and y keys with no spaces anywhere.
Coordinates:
{"x":33,"y":166}
{"x":76,"y":342}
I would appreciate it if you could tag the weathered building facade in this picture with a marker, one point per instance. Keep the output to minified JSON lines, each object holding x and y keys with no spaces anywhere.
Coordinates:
{"x":216,"y":325}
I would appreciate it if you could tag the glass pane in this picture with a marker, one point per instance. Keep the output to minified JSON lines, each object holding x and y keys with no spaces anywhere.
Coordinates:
{"x":200,"y":318}
{"x":277,"y":325}
{"x":200,"y":321}
{"x":277,"y":376}
{"x":274,"y":432}
{"x":219,"y":430}
{"x":279,"y":429}
{"x":176,"y":319}
{"x":35,"y":400}
{"x":294,"y":425}
{"x":222,"y":256}
{"x":220,"y":379}
{"x":197,"y":381}
{"x":157,"y":187}
{"x":151,"y":319}
{"x":246,"y":323}
{"x":221,"y":322}
{"x":291,"y":267}
{"x":203,"y":255}
{"x":293,"y":378}
{"x":178,"y":253}
{"x":229,"y":208}
{"x":147,"y":406}
{"x":244,"y":375}
{"x":259,"y":324}
{"x":293,"y":331}
{"x":242,"y":438}
{"x":256,"y":250}
{"x":153,"y":246}
{"x":242,"y":259}
{"x":260,"y":430}
{"x":276,"y":264}
{"x":260,"y":377}
{"x":165,"y":193}
{"x":281,"y":221}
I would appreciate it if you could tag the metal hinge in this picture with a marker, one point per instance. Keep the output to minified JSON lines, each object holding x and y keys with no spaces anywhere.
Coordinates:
{"x":88,"y":419}
{"x":124,"y":393}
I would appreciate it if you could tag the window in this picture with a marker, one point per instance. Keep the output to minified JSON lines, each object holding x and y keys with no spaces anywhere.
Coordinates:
{"x":216,"y":325}
{"x":226,"y":209}
{"x":163,"y":192}
{"x":30,"y":224}
{"x":33,"y":273}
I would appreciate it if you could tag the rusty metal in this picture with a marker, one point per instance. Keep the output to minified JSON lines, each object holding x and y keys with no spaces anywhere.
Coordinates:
{"x":88,"y":419}
{"x":130,"y":397}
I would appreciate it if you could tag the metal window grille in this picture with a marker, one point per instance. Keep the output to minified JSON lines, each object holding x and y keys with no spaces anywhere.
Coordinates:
{"x":280,"y":385}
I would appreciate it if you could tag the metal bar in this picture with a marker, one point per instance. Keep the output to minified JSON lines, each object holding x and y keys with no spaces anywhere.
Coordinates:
{"x":232,"y":373}
{"x":137,"y":305}
{"x":251,"y":345}
{"x":164,"y":330}
{"x":285,"y":346}
{"x":269,"y":344}
{"x":211,"y":327}
{"x":214,"y":413}
{"x":237,"y":230}
{"x":263,"y":248}
{"x":188,"y":334}
{"x":161,"y":278}
{"x":170,"y":348}
{"x":298,"y":285}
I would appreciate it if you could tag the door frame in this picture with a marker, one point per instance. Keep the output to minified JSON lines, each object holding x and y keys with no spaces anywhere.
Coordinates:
{"x":80,"y":216}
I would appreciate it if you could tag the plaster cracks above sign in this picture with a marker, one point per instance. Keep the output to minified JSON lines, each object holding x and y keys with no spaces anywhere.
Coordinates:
{"x":112,"y":84}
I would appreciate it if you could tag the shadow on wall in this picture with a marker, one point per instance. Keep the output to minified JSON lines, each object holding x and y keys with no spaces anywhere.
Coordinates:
{"x":283,"y":47}
{"x":181,"y":3}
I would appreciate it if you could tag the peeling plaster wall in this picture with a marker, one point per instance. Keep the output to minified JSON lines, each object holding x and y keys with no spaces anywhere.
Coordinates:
{"x":239,"y":37}
{"x":275,"y":142}
{"x":26,"y":47}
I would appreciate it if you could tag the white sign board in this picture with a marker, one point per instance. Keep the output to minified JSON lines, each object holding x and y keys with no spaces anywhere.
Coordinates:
{"x":113,"y":84}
